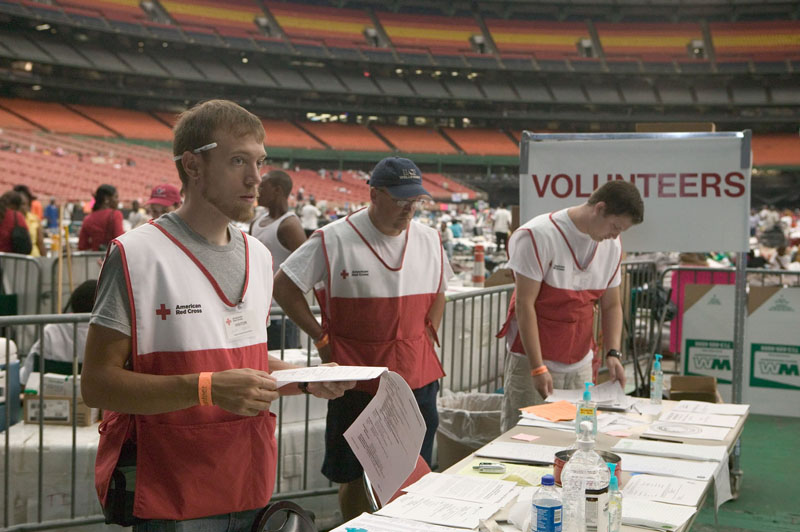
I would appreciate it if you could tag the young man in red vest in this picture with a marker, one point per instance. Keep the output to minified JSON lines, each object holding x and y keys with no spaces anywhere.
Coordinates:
{"x":176,"y":353}
{"x":563,"y":263}
{"x":380,"y":279}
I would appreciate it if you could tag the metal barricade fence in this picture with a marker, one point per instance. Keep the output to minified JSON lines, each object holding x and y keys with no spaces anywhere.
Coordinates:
{"x":86,"y":266}
{"x":48,"y":470}
{"x":21,"y":293}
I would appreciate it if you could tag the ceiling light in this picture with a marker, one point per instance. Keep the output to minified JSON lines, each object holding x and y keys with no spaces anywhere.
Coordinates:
{"x":42,"y":27}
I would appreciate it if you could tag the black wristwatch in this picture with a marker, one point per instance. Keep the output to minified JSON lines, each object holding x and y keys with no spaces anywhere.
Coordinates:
{"x":614,"y":353}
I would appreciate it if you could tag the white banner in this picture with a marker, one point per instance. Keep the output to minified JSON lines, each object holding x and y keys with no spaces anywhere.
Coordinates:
{"x":695,"y":186}
{"x":772,"y":357}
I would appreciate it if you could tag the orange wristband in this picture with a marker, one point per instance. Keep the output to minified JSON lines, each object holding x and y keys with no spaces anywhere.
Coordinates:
{"x":322,"y":342}
{"x":204,"y":388}
{"x":541,"y":370}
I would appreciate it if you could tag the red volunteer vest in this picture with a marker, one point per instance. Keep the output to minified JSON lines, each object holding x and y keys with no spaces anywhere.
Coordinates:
{"x":200,"y":461}
{"x":565,"y":305}
{"x":375,"y":313}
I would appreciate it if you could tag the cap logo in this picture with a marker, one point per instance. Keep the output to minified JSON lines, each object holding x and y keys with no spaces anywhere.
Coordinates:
{"x":409,"y":173}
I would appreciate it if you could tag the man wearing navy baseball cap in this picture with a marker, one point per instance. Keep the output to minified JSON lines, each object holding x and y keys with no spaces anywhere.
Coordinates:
{"x":380,"y":279}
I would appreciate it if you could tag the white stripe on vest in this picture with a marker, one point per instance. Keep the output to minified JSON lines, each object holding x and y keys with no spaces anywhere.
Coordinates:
{"x":357,"y":272}
{"x":176,"y":306}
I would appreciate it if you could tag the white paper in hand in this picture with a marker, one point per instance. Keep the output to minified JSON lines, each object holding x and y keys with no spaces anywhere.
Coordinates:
{"x":387,"y":436}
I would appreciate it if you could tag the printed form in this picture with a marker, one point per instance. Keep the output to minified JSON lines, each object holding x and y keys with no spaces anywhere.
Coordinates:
{"x":520,"y":452}
{"x":387,"y":436}
{"x":669,"y":467}
{"x":327,"y":374}
{"x":700,"y":407}
{"x":446,"y":512}
{"x":711,"y":420}
{"x":664,"y":489}
{"x":717,"y":453}
{"x":378,"y":523}
{"x":478,"y":490}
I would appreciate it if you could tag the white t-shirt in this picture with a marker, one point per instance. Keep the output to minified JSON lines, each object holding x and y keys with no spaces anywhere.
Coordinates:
{"x":522,"y":260}
{"x":502,"y":221}
{"x":307,"y":265}
{"x":309,"y":216}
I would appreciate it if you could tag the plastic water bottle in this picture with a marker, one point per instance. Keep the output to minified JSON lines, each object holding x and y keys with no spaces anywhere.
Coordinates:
{"x":585,"y":480}
{"x":656,"y":382}
{"x":587,"y":411}
{"x":614,"y":502}
{"x":546,"y":508}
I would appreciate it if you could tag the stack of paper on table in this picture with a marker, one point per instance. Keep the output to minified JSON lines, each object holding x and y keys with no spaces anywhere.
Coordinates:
{"x":531,"y":420}
{"x":681,"y":431}
{"x":711,"y":420}
{"x":521,"y":474}
{"x":664,"y":489}
{"x":701,"y":407}
{"x":656,"y":515}
{"x":439,"y":511}
{"x":687,"y":451}
{"x":668,"y":467}
{"x":607,"y":395}
{"x":520,"y":452}
{"x":558,"y":411}
{"x":483,"y":490}
{"x":379,"y":523}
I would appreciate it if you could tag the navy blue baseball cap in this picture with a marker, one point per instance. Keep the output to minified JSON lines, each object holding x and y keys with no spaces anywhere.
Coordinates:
{"x":401,"y":178}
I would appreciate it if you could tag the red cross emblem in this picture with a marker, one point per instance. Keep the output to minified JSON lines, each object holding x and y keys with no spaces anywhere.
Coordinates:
{"x":228,"y":321}
{"x":163,"y":312}
{"x":344,"y":274}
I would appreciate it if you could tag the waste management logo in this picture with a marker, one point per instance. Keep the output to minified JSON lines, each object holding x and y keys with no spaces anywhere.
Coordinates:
{"x":775,"y":366}
{"x":712,"y":358}
{"x":781,"y":305}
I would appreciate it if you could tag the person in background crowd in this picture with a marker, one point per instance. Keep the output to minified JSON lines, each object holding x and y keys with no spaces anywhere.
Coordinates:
{"x":455,"y":227}
{"x":279,"y":229}
{"x":501,"y":225}
{"x":380,"y":279}
{"x":34,"y":222}
{"x":10,"y":216}
{"x":104,"y":223}
{"x":447,"y":239}
{"x":563,"y":263}
{"x":137,"y":216}
{"x":309,"y":216}
{"x":58,"y":345}
{"x":163,"y":199}
{"x":51,"y":215}
{"x":186,"y":396}
{"x":469,"y":223}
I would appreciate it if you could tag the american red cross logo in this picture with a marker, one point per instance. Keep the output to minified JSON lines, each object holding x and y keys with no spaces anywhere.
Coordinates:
{"x":344,"y":274}
{"x":228,"y":321}
{"x":163,"y":312}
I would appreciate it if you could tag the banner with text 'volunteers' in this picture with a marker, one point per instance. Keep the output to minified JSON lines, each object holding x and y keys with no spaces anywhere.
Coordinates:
{"x":695,"y":186}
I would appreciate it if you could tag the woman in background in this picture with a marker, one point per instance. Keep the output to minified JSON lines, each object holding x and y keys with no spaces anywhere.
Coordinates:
{"x":104,"y":223}
{"x":10,"y":216}
{"x":33,"y":221}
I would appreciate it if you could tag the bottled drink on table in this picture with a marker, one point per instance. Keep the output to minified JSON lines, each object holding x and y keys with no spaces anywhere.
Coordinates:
{"x":585,"y":480}
{"x":546,"y":509}
{"x":614,"y":502}
{"x":656,"y":382}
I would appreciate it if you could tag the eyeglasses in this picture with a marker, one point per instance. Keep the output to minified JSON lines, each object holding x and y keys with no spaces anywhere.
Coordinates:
{"x":405,"y":203}
{"x":197,"y":150}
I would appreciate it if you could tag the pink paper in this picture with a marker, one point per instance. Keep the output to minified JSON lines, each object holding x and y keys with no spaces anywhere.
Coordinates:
{"x":524,"y":437}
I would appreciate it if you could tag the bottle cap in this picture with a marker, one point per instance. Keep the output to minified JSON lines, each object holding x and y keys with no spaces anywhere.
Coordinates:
{"x":657,"y":364}
{"x":585,"y":440}
{"x":613,"y":483}
{"x":548,"y":480}
{"x":587,"y":395}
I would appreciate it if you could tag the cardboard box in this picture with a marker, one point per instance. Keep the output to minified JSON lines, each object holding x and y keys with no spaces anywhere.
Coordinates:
{"x":55,"y":384}
{"x":694,"y":388}
{"x":58,"y":410}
